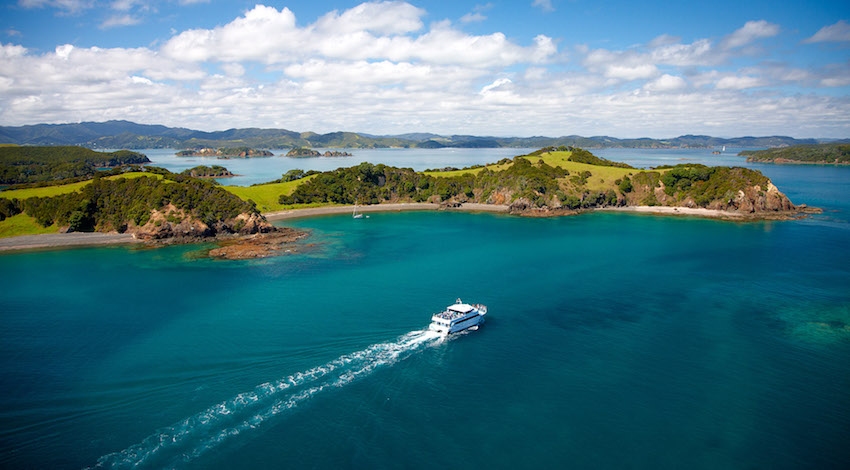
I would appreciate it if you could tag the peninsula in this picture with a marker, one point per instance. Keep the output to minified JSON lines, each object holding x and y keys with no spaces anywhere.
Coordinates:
{"x":824,"y":154}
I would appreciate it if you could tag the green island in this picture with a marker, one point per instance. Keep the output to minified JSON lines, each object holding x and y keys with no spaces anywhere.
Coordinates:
{"x":824,"y":154}
{"x":22,"y":164}
{"x":203,"y":171}
{"x":154,"y":204}
{"x":225,"y":152}
{"x":550,"y":181}
{"x":301,"y":152}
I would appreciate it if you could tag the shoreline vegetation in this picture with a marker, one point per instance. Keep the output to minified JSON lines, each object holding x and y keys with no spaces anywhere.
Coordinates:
{"x":159,"y":207}
{"x":817,"y":154}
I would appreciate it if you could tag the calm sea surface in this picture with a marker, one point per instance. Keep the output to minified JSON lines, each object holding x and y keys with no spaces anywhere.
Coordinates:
{"x":613,"y":340}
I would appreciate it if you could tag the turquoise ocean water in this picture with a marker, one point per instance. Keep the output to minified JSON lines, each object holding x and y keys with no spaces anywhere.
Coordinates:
{"x":613,"y":341}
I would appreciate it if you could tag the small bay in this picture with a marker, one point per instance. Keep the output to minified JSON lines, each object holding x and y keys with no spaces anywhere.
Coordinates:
{"x":612,"y":340}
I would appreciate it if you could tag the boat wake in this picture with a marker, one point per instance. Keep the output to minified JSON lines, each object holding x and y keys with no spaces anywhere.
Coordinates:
{"x":186,"y":440}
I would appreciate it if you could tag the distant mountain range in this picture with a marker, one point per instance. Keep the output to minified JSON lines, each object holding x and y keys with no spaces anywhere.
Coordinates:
{"x":129,"y":135}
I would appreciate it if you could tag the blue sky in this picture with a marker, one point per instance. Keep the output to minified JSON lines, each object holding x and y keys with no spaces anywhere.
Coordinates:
{"x":536,"y":67}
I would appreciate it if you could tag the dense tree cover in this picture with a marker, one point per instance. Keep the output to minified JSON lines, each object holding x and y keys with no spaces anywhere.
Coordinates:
{"x":819,"y":153}
{"x":102,"y":173}
{"x":704,"y":184}
{"x":202,"y":171}
{"x":34,"y":164}
{"x":113,"y":204}
{"x":372,"y":184}
{"x":9,"y":207}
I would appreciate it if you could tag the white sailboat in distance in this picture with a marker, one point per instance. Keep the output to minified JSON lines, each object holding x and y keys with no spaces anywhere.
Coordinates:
{"x":355,"y":215}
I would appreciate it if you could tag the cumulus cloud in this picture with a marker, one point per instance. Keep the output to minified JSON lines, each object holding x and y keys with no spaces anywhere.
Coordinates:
{"x":838,"y":32}
{"x":666,"y":82}
{"x":371,"y":31}
{"x":378,"y":67}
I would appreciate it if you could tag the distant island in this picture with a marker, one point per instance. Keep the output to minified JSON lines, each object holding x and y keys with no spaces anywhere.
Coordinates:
{"x":20,"y":164}
{"x":305,"y":152}
{"x":225,"y":152}
{"x":825,"y":154}
{"x":129,"y":135}
{"x":213,"y":171}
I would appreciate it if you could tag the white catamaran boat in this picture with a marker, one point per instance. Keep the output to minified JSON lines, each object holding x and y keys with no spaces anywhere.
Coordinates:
{"x":458,"y":317}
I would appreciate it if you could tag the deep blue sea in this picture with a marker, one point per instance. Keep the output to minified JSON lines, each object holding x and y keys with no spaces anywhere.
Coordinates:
{"x":612,"y":341}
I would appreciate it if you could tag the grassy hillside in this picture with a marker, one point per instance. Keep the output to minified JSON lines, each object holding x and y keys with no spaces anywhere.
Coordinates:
{"x":819,"y":153}
{"x":267,"y":196}
{"x":23,"y":224}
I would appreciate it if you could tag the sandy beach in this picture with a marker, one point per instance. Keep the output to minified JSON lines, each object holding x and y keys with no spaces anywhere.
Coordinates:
{"x":664,"y":210}
{"x":61,"y":240}
{"x":314,"y":211}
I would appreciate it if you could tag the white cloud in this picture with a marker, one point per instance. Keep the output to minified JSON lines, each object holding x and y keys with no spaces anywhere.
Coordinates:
{"x":267,"y":35}
{"x":739,"y":82}
{"x":545,"y":5}
{"x":119,"y":20}
{"x":748,"y":33}
{"x":123,"y":5}
{"x":474,"y":17}
{"x":477,"y":13}
{"x":665,"y":83}
{"x":664,"y":40}
{"x":380,"y":17}
{"x":838,"y":32}
{"x":379,"y":68}
{"x":71,"y":6}
{"x":620,"y":65}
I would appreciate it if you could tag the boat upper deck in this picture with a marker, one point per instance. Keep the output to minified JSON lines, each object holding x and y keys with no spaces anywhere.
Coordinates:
{"x":458,"y":311}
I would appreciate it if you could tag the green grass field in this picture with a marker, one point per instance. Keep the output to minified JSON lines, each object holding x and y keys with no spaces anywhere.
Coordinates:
{"x":23,"y":224}
{"x":266,"y":195}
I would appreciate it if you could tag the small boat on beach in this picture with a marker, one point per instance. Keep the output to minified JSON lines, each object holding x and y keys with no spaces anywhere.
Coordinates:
{"x":458,"y":317}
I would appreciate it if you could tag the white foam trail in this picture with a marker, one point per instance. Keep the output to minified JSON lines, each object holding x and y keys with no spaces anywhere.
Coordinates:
{"x":219,"y":422}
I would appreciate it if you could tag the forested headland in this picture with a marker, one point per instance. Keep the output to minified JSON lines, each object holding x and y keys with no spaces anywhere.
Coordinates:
{"x":828,"y":154}
{"x":19,"y":164}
